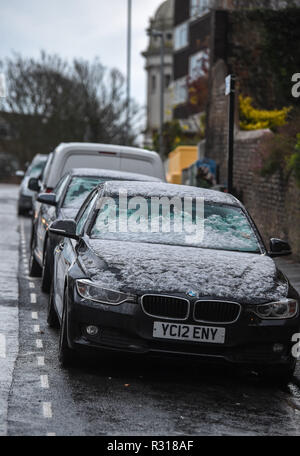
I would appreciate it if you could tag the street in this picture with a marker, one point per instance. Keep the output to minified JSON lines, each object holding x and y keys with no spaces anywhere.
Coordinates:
{"x":116,"y":396}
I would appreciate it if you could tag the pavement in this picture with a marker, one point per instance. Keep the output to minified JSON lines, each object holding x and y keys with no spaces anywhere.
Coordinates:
{"x":9,"y":293}
{"x":116,"y":396}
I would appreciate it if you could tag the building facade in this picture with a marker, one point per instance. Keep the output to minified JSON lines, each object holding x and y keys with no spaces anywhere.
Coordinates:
{"x":162,"y":21}
{"x":192,"y":29}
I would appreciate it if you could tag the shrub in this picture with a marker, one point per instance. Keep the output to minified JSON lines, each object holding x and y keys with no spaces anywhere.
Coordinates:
{"x":257,"y":119}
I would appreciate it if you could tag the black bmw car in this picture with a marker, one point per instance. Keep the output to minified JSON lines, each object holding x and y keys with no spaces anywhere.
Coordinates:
{"x":214,"y":294}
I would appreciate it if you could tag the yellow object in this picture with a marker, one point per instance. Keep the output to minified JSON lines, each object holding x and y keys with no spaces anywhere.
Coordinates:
{"x":181,"y":158}
{"x":257,"y":119}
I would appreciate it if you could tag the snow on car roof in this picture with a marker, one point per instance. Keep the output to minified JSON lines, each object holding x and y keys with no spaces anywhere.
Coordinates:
{"x":161,"y":189}
{"x":112,"y":174}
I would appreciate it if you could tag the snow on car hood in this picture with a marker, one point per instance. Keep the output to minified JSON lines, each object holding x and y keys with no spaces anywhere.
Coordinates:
{"x":141,"y":267}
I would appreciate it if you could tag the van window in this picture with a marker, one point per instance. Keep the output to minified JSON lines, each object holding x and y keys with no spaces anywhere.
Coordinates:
{"x":134,"y":165}
{"x":84,"y":160}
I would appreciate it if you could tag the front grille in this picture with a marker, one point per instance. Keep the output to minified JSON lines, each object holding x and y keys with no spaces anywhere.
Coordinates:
{"x":216,"y":311}
{"x":165,"y":307}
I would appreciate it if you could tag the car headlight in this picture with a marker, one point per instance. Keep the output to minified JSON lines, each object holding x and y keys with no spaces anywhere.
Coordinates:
{"x":89,"y":290}
{"x":287,"y":308}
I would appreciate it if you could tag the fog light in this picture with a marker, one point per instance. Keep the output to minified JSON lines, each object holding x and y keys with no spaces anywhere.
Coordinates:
{"x":278,"y":348}
{"x":92,"y":330}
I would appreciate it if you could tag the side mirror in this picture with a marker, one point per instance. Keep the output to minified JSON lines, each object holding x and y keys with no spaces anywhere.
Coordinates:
{"x":279,"y":248}
{"x":64,"y":228}
{"x":34,"y":185}
{"x":20,"y":173}
{"x":47,"y":198}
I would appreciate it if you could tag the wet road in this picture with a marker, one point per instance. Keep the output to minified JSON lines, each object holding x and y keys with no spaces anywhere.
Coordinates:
{"x":116,"y":396}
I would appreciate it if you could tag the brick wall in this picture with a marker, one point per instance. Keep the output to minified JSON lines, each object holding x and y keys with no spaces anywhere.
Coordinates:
{"x":273,"y":203}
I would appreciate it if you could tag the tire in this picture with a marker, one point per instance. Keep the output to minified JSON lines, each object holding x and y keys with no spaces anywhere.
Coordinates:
{"x":35,"y":269}
{"x":52,"y":318}
{"x":66,"y":355}
{"x":47,"y":271}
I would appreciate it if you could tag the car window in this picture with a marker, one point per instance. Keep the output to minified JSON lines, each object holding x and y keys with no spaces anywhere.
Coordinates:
{"x":48,"y":167}
{"x":216,"y":227}
{"x":78,"y":190}
{"x":36,"y":169}
{"x":59,"y":189}
{"x":85,"y":215}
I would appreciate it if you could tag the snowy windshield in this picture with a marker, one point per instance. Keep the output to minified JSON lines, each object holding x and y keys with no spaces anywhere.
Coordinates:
{"x":79,"y":189}
{"x":36,"y":169}
{"x":215,"y":227}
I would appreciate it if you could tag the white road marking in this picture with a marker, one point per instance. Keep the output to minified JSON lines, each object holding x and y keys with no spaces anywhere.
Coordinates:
{"x":39,"y":343}
{"x":2,"y":346}
{"x":31,"y":285}
{"x":51,"y":434}
{"x":33,"y":298}
{"x":41,"y":361}
{"x":36,"y":329}
{"x":34,"y":315}
{"x":47,"y":410}
{"x":44,"y":381}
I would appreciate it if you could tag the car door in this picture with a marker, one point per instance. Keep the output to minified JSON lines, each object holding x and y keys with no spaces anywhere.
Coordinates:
{"x":65,"y":252}
{"x":46,"y":215}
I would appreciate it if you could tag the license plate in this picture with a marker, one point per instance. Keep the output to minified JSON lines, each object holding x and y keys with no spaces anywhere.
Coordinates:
{"x":204,"y":334}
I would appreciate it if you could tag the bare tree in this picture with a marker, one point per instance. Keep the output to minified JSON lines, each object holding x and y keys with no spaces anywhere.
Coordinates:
{"x":51,"y":101}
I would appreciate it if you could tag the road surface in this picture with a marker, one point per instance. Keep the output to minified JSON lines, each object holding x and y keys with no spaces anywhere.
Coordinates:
{"x":116,"y":396}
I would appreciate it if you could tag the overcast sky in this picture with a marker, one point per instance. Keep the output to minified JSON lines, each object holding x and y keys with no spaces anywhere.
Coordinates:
{"x":79,"y":28}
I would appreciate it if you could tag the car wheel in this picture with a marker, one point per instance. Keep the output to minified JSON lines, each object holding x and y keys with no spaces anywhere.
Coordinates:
{"x":52,"y":318}
{"x":46,"y":272}
{"x":66,"y":354}
{"x":35,"y":269}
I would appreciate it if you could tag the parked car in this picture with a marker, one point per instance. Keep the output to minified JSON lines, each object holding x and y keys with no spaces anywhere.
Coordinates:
{"x":34,"y":170}
{"x":64,"y":202}
{"x":220,"y":297}
{"x":99,"y":156}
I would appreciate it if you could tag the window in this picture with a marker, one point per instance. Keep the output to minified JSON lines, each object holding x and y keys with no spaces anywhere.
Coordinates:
{"x":181,"y":36}
{"x":180,"y":91}
{"x":85,"y":215}
{"x":153,"y":83}
{"x":198,"y":65}
{"x":78,"y":190}
{"x":224,"y":227}
{"x":167,"y":81}
{"x":199,"y":8}
{"x":60,"y":188}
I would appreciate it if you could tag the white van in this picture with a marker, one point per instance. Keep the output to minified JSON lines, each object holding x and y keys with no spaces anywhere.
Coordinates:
{"x":100,"y":156}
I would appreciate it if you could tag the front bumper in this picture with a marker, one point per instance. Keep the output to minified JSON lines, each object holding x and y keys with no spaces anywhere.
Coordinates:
{"x":127,"y":328}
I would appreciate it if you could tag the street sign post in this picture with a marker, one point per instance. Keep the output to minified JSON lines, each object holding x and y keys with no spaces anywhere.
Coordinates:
{"x":230,"y":91}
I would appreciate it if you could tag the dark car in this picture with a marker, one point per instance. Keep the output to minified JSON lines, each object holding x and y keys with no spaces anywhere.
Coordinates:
{"x":217,"y":297}
{"x":64,"y":203}
{"x":34,"y":170}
